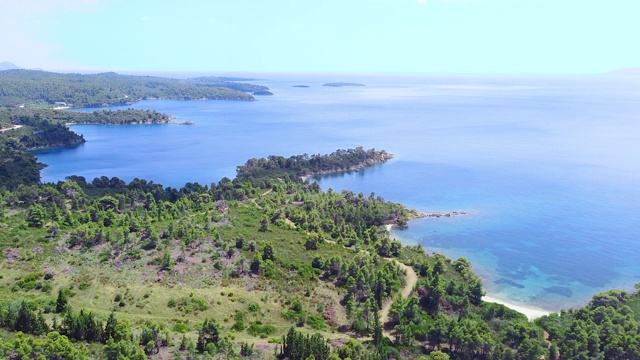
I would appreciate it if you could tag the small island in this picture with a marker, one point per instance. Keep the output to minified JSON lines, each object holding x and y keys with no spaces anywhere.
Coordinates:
{"x":262,"y":93}
{"x":342,"y":84}
{"x":301,"y":86}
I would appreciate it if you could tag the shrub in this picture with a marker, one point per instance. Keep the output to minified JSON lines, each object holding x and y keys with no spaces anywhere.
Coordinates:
{"x":181,"y":327}
{"x":316,"y":322}
{"x":257,"y":329}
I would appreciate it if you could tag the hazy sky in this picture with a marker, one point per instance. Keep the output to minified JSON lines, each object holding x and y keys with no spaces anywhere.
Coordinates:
{"x":409,"y":36}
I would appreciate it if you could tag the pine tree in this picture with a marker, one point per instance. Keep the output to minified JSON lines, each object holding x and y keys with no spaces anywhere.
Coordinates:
{"x":61,"y":302}
{"x":378,"y":335}
{"x":110,"y":328}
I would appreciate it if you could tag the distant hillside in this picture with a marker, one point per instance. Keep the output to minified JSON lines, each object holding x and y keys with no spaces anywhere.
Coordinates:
{"x":8,"y":66}
{"x":625,"y":72}
{"x":106,"y":89}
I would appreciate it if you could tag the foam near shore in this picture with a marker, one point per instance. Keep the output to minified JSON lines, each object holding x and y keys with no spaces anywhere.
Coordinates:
{"x":530,"y":311}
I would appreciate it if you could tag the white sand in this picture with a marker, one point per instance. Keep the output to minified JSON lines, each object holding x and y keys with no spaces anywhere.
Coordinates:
{"x":530,"y":311}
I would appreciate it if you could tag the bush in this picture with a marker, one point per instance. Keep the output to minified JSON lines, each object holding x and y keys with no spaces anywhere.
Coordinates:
{"x":181,"y":327}
{"x":189,"y":304}
{"x":253,"y":307}
{"x":316,"y":322}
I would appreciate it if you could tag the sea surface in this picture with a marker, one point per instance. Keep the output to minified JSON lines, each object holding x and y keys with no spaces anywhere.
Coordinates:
{"x":546,"y":168}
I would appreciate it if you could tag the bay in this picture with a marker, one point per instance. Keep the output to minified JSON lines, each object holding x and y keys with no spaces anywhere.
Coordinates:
{"x":546,"y":168}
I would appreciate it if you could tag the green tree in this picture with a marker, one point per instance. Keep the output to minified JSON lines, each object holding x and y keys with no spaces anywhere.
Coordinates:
{"x":438,"y":355}
{"x":36,"y":216}
{"x":267,"y":252}
{"x":208,"y":334}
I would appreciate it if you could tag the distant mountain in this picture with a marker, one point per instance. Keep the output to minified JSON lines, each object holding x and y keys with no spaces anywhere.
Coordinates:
{"x":8,"y":66}
{"x":625,"y":72}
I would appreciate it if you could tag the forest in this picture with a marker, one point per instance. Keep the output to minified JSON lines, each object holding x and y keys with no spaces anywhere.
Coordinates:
{"x":265,"y":265}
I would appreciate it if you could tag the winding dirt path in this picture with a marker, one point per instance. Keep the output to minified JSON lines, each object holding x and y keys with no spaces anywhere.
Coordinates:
{"x":411,"y":280}
{"x":13,"y":127}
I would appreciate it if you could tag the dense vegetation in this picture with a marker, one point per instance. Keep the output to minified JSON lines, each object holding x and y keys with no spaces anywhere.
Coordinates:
{"x":17,"y":166}
{"x":96,"y":90}
{"x":607,"y":328}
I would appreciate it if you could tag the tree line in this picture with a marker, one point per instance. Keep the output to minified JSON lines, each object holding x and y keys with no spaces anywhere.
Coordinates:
{"x":276,"y":166}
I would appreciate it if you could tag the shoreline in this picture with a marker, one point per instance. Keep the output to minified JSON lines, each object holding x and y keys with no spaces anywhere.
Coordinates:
{"x":530,"y":311}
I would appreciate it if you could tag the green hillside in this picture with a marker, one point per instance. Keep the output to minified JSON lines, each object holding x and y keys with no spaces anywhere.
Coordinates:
{"x":259,"y":267}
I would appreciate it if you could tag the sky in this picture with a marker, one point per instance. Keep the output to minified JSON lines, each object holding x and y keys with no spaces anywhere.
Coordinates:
{"x":529,"y":37}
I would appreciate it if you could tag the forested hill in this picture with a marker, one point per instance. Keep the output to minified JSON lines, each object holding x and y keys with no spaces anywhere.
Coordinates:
{"x":251,"y":269}
{"x":305,"y":165}
{"x":95,"y":90}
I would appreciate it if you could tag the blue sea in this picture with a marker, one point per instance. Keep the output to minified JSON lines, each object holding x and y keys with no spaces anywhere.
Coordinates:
{"x":546,"y":168}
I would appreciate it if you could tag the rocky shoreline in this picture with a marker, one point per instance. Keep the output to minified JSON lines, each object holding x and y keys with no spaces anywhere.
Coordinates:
{"x":439,"y":215}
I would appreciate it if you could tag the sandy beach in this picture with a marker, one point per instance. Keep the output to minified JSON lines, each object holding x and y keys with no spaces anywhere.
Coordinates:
{"x":530,"y":311}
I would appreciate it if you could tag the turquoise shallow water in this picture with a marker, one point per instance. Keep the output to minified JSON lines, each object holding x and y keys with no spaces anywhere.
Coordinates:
{"x":546,"y":168}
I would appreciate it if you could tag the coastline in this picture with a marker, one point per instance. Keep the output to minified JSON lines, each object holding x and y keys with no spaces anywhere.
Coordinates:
{"x":530,"y":311}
